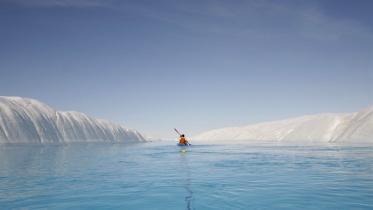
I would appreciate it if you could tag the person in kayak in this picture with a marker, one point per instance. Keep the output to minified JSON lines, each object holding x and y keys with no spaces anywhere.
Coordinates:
{"x":182,"y":140}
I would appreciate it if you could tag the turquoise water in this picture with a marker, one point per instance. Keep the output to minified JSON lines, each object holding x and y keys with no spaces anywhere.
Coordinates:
{"x":158,"y":176}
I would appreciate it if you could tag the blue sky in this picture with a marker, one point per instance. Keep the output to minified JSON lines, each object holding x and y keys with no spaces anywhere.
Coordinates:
{"x":194,"y":65}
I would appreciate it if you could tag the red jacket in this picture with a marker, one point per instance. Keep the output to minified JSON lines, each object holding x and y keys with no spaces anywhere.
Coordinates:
{"x":182,"y":140}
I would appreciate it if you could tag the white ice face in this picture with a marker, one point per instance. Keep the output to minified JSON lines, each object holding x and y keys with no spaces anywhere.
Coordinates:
{"x":327,"y":127}
{"x":28,"y":120}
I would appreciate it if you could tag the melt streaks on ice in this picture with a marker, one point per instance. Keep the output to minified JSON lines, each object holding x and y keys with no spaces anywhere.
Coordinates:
{"x":24,"y":120}
{"x":326,"y":127}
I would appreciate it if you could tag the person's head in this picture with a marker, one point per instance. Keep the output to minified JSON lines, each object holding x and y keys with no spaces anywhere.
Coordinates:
{"x":182,"y":135}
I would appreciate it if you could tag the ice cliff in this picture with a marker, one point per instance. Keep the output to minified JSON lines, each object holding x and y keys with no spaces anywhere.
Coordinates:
{"x":327,"y":127}
{"x":24,"y":120}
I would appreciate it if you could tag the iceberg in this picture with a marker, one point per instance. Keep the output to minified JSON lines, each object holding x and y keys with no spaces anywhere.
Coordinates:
{"x":325,"y":127}
{"x":24,"y":120}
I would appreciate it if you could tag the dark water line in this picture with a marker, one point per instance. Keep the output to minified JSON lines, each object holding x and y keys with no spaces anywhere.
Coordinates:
{"x":189,"y":196}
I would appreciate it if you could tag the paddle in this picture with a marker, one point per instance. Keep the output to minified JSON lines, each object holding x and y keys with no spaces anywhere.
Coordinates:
{"x":177,"y":131}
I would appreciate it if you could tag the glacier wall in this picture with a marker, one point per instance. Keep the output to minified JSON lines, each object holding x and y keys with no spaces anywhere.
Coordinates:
{"x":326,"y":127}
{"x":24,"y":120}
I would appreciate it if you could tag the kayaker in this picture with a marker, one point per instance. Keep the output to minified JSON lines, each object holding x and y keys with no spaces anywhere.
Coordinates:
{"x":182,"y":140}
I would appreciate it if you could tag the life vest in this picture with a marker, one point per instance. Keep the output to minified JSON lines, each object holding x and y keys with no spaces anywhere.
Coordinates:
{"x":182,"y":140}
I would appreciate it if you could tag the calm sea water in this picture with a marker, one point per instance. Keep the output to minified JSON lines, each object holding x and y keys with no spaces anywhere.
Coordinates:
{"x":159,"y":176}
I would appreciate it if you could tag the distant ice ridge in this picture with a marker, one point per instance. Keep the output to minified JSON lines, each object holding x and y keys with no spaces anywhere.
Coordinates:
{"x":24,"y":120}
{"x":327,"y":127}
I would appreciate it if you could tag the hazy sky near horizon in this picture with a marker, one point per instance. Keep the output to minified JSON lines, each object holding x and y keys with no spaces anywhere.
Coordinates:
{"x":194,"y":65}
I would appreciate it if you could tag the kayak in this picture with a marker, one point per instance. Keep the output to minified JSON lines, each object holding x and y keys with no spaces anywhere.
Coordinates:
{"x":183,"y":145}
